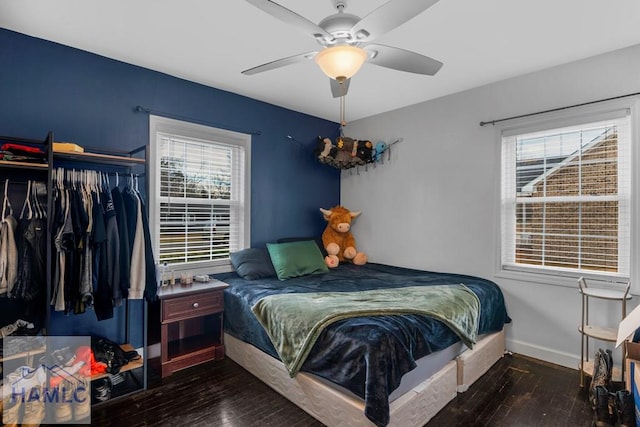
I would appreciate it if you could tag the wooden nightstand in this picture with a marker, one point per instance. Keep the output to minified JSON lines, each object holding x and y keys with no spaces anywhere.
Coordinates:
{"x":191,"y":330}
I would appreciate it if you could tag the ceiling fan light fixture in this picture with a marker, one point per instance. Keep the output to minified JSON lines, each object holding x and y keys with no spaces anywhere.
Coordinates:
{"x":342,"y":61}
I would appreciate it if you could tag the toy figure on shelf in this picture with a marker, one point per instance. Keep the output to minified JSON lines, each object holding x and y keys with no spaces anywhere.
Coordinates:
{"x":380,"y":148}
{"x":343,"y":159}
{"x":365,"y":151}
{"x":325,"y":151}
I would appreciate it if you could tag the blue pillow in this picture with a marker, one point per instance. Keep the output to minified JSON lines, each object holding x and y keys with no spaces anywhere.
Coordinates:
{"x":252,"y":263}
{"x":296,"y":259}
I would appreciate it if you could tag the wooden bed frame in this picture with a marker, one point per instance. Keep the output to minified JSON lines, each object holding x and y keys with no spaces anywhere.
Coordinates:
{"x":336,"y":407}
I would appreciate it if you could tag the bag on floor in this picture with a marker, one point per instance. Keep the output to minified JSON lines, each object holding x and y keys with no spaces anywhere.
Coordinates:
{"x":110,"y":353}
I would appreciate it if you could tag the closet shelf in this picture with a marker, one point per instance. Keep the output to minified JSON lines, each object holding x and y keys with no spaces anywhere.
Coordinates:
{"x":23,"y":354}
{"x":129,"y":366}
{"x":98,"y":158}
{"x":23,"y":165}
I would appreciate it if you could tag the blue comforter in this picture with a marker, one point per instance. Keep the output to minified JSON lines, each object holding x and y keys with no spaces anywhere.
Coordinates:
{"x":367,"y":355}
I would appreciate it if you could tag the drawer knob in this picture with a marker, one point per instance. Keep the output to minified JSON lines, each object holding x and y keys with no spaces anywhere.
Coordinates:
{"x":195,"y":305}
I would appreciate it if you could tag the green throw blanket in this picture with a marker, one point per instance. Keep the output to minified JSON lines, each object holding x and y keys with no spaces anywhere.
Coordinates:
{"x":294,"y":321}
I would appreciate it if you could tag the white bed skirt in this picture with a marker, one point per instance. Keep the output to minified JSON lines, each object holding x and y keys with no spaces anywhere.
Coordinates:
{"x":335,"y":406}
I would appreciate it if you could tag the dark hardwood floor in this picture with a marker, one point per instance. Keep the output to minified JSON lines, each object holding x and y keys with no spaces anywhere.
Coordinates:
{"x":517,"y":391}
{"x":520,"y":391}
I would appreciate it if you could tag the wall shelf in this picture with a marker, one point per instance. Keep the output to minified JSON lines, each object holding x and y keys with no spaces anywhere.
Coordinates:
{"x":88,"y":157}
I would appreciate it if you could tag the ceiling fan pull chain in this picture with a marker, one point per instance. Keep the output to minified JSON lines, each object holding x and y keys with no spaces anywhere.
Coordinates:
{"x":341,"y":117}
{"x":343,"y":122}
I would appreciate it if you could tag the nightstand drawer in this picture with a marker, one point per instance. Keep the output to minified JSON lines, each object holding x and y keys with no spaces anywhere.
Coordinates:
{"x":190,"y":306}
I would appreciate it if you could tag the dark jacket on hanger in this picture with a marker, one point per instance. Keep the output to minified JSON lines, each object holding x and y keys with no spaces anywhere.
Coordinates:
{"x":151,"y":284}
{"x":131,"y":208}
{"x":123,"y":231}
{"x":80,"y":222}
{"x":102,"y":293}
{"x":112,"y":265}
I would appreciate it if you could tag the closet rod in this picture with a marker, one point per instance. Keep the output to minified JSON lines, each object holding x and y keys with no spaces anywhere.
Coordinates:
{"x":493,"y":122}
{"x":140,"y":109}
{"x":22,"y":181}
{"x":125,"y":174}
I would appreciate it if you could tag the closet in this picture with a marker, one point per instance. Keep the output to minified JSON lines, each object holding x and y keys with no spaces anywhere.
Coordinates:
{"x":21,"y":312}
{"x":39,"y":189}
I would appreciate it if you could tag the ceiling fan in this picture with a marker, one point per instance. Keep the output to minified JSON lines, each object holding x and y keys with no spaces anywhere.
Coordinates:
{"x":346,"y":41}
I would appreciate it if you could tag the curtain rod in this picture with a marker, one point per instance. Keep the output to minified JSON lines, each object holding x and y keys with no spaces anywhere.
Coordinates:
{"x":140,"y":109}
{"x":493,"y":122}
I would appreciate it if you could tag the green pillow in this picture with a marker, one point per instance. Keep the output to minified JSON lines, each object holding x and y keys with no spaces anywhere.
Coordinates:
{"x":296,"y":259}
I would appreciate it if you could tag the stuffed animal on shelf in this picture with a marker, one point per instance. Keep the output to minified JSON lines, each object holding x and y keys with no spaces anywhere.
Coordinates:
{"x":365,"y":151}
{"x":355,"y":158}
{"x":343,"y":158}
{"x":337,"y":238}
{"x":380,"y":148}
{"x":325,"y":151}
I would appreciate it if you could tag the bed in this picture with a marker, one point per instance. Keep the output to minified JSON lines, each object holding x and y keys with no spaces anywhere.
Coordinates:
{"x":377,"y":368}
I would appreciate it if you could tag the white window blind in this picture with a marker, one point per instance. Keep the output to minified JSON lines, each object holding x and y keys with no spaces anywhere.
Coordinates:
{"x":201,"y":199}
{"x":566,"y":199}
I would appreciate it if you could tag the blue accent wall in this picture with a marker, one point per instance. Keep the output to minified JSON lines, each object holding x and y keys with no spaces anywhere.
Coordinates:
{"x":90,"y":100}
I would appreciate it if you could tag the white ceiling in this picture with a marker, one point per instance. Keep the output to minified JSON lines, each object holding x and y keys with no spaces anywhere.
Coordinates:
{"x":212,"y":41}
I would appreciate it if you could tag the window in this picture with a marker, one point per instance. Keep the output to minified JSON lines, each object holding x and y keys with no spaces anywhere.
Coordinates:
{"x":566,"y":199}
{"x":199,"y":194}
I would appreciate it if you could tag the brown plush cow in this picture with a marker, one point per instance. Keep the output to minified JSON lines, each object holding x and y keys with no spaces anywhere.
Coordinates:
{"x":337,"y":238}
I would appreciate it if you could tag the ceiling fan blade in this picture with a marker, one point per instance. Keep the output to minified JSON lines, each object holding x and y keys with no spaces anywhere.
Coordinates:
{"x":292,"y":18}
{"x":338,"y":89}
{"x":403,"y":60}
{"x":279,"y":63}
{"x":390,"y":15}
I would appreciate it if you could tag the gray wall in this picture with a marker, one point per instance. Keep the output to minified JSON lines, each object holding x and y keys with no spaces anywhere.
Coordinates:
{"x":435,"y":204}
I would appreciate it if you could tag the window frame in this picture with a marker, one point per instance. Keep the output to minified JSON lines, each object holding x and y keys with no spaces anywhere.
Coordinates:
{"x":189,"y":130}
{"x":567,"y":118}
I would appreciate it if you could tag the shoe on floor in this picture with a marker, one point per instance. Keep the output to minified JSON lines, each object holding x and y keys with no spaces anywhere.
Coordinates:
{"x":601,"y":375}
{"x":34,"y":409}
{"x":625,"y":408}
{"x":605,"y":411}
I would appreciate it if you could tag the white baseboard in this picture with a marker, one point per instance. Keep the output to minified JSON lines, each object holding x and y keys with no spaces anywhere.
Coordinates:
{"x":568,"y":360}
{"x":544,"y":353}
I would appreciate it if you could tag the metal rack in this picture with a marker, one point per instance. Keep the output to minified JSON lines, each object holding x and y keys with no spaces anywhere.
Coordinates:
{"x":589,"y":331}
{"x":115,"y":160}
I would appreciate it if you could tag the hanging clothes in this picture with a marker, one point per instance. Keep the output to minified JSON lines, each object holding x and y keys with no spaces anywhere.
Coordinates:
{"x":8,"y":248}
{"x":79,"y":236}
{"x":62,"y":231}
{"x":137,"y":269}
{"x":151,"y":284}
{"x":103,"y":304}
{"x":79,"y":222}
{"x":86,"y":260}
{"x":123,"y":230}
{"x":68,"y":255}
{"x":31,"y":243}
{"x":102,"y":243}
{"x":8,"y":255}
{"x":112,"y":264}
